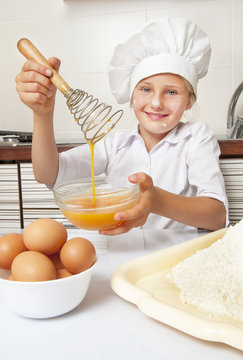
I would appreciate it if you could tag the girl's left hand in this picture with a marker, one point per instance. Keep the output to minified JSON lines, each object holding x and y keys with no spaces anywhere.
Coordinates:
{"x":137,"y":215}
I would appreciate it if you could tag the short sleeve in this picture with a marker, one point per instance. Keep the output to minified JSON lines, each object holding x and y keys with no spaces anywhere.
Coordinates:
{"x":203,"y":165}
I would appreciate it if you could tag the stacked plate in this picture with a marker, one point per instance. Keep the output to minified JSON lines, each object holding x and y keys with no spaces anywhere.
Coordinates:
{"x":232,"y":170}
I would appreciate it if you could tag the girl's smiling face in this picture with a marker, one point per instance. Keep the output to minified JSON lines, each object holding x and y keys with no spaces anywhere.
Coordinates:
{"x":159,"y":102}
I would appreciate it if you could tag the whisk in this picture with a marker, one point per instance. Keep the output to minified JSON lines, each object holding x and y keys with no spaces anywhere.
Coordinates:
{"x":94,"y":118}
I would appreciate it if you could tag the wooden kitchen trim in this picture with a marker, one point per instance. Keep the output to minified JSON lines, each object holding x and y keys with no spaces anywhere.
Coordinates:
{"x":23,"y":153}
{"x":229,"y":148}
{"x":9,"y":153}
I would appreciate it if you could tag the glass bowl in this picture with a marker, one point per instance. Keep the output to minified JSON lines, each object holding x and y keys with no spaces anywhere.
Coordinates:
{"x":84,"y":210}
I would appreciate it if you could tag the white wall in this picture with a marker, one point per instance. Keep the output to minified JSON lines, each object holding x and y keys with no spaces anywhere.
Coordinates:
{"x":82,"y":33}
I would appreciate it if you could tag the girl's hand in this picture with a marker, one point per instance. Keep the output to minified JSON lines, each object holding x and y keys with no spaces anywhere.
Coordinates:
{"x":34,"y":86}
{"x":136,"y":216}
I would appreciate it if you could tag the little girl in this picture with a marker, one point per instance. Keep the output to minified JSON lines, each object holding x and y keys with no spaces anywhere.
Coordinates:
{"x":175,"y":163}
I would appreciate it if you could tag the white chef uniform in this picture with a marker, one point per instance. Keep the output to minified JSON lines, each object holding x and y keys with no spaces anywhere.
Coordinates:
{"x":185,"y":162}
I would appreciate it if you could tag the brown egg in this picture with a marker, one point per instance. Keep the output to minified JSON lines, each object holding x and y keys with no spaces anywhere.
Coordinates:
{"x":62,"y":273}
{"x":55,"y":258}
{"x":45,"y":235}
{"x":10,"y":277}
{"x":32,"y":266}
{"x":10,"y":246}
{"x":77,"y":254}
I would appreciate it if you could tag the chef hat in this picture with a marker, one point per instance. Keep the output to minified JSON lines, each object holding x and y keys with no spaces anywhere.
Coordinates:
{"x":164,"y":45}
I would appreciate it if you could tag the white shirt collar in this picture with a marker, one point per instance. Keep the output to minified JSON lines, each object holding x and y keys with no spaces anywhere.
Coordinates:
{"x":180,"y":132}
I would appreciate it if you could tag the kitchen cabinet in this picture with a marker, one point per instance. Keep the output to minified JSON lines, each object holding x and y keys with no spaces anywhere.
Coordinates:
{"x":9,"y":197}
{"x":37,"y":199}
{"x":22,"y":199}
{"x":232,"y":169}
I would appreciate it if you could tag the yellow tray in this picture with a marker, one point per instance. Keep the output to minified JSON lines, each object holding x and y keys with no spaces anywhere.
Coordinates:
{"x":143,"y":282}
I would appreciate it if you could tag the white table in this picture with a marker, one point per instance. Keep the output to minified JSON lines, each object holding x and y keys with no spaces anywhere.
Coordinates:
{"x":104,"y":326}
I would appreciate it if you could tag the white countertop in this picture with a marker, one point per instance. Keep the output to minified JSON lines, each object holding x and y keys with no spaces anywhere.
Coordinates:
{"x":104,"y":326}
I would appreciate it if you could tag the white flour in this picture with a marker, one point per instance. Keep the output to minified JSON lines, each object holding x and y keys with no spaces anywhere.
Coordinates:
{"x":212,"y":278}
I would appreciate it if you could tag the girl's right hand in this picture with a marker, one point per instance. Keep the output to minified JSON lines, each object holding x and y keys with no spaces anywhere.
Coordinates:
{"x":34,"y":86}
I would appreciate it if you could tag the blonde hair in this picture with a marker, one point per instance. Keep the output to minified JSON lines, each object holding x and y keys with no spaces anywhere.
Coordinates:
{"x":192,"y":96}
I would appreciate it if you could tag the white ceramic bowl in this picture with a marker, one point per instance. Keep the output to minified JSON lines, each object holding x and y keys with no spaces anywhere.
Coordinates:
{"x":44,"y":299}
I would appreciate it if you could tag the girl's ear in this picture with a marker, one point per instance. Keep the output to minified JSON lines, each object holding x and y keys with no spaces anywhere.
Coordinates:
{"x":189,"y":105}
{"x":191,"y":101}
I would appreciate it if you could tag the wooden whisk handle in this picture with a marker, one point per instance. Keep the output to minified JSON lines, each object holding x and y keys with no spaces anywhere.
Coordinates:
{"x":26,"y":48}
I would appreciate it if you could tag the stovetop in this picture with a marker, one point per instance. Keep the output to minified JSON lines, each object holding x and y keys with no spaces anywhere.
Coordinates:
{"x":23,"y":138}
{"x":14,"y":138}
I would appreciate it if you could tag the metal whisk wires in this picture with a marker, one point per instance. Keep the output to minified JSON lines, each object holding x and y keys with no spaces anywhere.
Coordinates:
{"x":95,"y":119}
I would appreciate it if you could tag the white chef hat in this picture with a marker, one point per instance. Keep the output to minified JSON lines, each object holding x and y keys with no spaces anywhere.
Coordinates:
{"x":164,"y":45}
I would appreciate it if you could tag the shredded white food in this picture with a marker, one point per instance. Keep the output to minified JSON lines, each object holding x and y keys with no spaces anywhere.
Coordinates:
{"x":212,"y":278}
